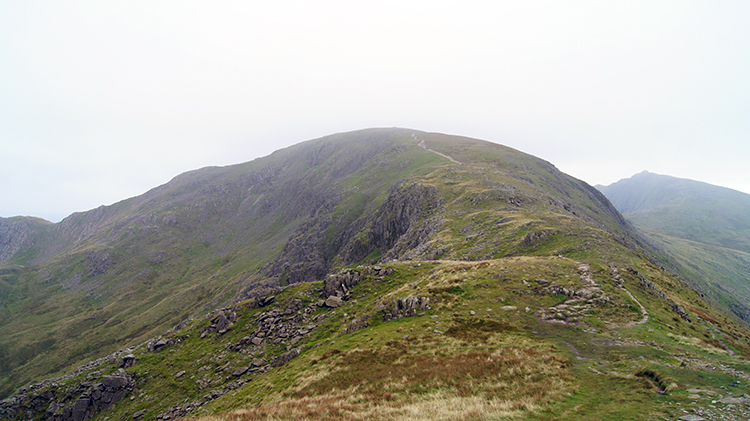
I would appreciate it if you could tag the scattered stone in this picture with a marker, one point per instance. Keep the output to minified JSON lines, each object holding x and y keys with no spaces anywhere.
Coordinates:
{"x":220,"y":324}
{"x":744,"y":399}
{"x":139,"y":414}
{"x":214,"y":394}
{"x":180,"y":374}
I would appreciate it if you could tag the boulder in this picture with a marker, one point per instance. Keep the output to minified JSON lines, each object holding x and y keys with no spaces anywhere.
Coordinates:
{"x":287,"y":356}
{"x":358,"y":324}
{"x":126,"y":361}
{"x":240,"y":371}
{"x":334,"y":301}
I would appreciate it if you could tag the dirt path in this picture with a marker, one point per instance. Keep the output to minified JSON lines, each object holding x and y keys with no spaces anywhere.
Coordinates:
{"x":424,"y":146}
{"x":644,"y":312}
{"x":585,"y":275}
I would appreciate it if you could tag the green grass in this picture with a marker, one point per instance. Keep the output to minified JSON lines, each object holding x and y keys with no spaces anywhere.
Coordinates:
{"x":507,"y":226}
{"x":539,"y":370}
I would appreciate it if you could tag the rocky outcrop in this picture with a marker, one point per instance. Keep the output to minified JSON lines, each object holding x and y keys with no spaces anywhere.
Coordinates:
{"x":358,"y":324}
{"x":80,"y":403}
{"x":681,"y":312}
{"x":287,"y":326}
{"x":260,"y":302}
{"x":340,"y":283}
{"x":402,"y":222}
{"x":647,"y":285}
{"x":401,"y":210}
{"x":334,"y":301}
{"x":157,"y":345}
{"x":99,"y":261}
{"x":406,"y":307}
{"x":287,"y":356}
{"x":379,"y":271}
{"x":17,"y":233}
{"x":221,"y":323}
{"x":580,"y":300}
{"x":126,"y":361}
{"x":535,"y":238}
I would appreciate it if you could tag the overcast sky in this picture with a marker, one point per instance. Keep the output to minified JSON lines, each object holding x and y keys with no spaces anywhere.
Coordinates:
{"x":101,"y":101}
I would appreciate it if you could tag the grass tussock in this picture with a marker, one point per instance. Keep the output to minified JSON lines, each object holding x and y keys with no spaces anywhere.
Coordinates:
{"x":420,"y":379}
{"x":435,"y":406}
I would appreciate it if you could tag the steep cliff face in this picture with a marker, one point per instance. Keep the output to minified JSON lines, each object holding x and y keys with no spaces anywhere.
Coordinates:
{"x":328,"y":238}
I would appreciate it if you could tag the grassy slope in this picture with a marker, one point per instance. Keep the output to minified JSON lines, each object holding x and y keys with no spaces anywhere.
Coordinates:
{"x":114,"y":276}
{"x":471,"y":356}
{"x":512,"y":226}
{"x":720,"y":273}
{"x":704,"y":229}
{"x":685,"y":209}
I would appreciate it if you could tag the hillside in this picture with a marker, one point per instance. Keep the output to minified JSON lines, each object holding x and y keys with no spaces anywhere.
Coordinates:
{"x":704,"y":229}
{"x":380,"y":274}
{"x":684,"y":208}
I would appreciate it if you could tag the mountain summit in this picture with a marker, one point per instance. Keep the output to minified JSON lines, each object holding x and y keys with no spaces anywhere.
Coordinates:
{"x":379,"y":272}
{"x":684,"y":208}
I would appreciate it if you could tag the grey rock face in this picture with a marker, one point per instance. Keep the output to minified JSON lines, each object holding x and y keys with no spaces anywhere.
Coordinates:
{"x":287,"y":356}
{"x":126,"y":361}
{"x":406,"y":307}
{"x":81,"y":404}
{"x":339,"y":284}
{"x":358,"y":324}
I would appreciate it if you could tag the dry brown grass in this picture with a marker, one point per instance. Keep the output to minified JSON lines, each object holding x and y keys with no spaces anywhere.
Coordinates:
{"x":435,"y":406}
{"x":428,"y":378}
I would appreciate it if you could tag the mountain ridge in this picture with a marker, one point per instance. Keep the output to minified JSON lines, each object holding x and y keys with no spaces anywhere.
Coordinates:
{"x":712,"y":214}
{"x":705,"y":229}
{"x":320,"y":257}
{"x":217,"y":233}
